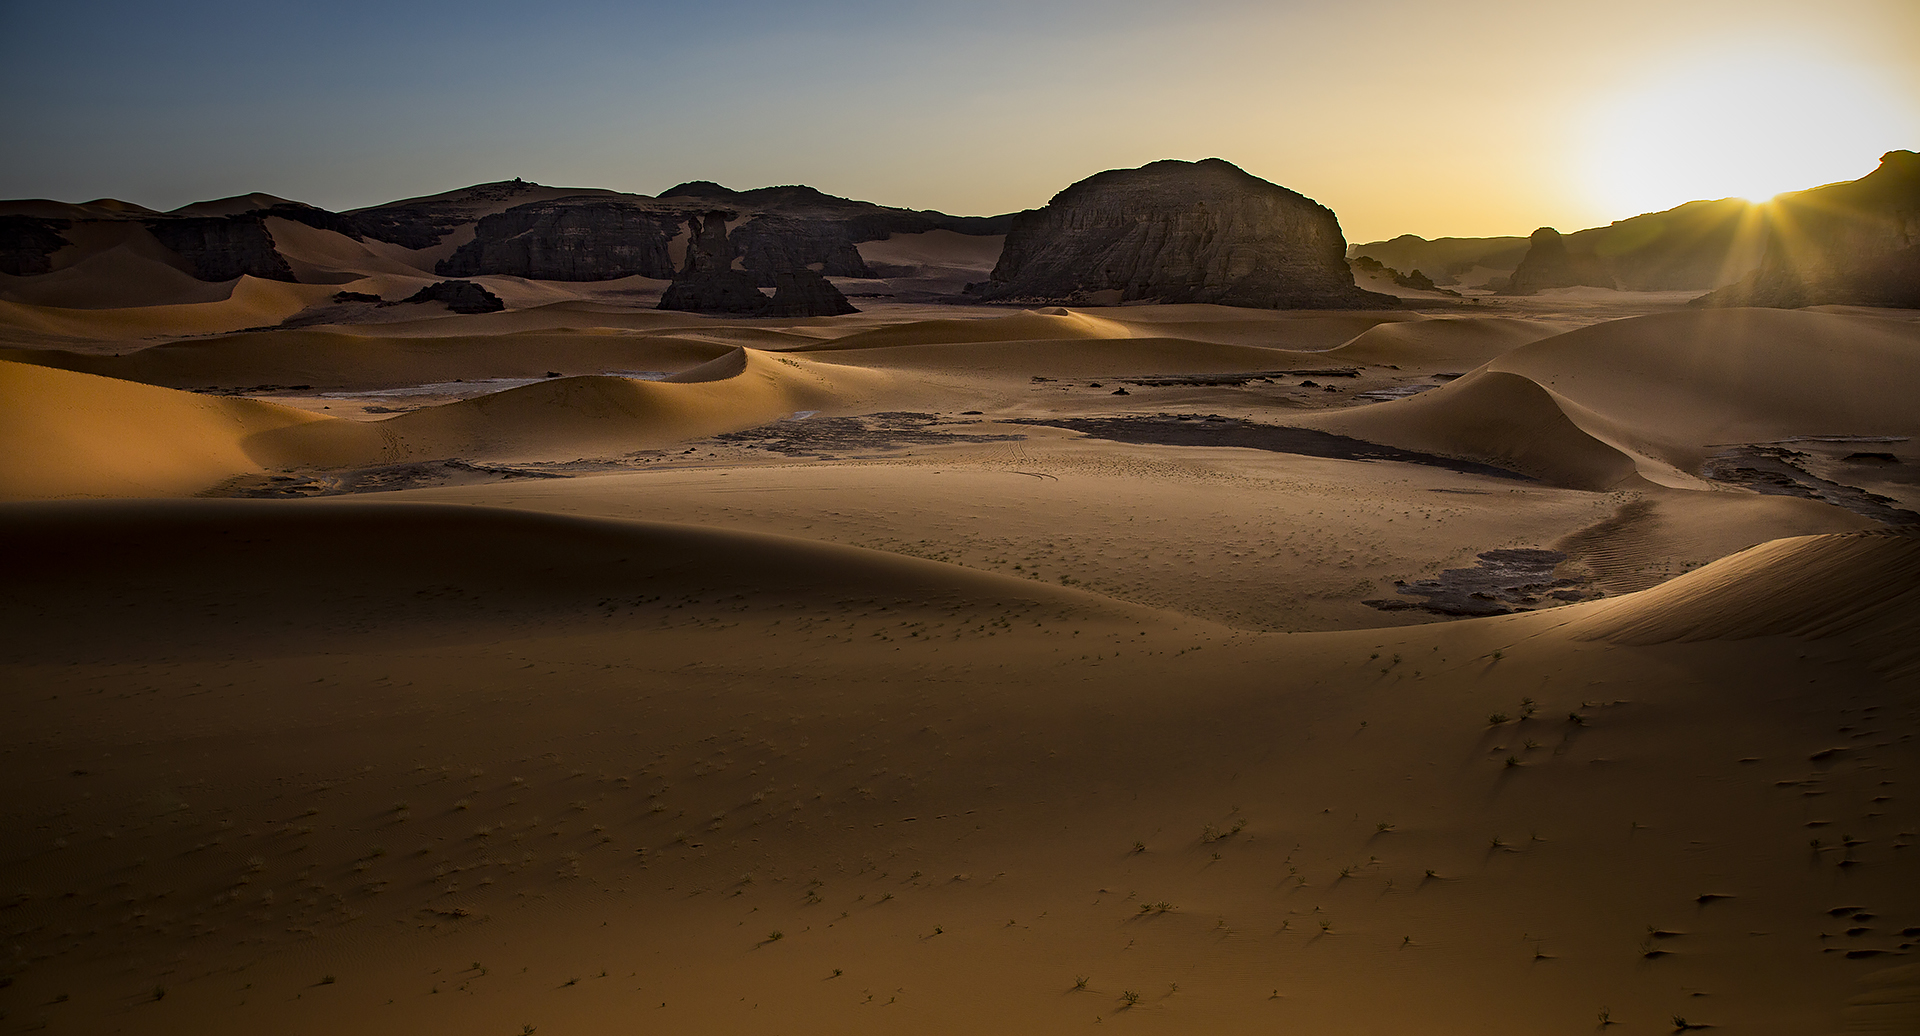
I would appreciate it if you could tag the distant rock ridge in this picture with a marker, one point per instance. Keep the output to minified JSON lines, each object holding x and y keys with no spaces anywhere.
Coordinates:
{"x":1855,"y":243}
{"x":1175,"y":231}
{"x":1693,"y":247}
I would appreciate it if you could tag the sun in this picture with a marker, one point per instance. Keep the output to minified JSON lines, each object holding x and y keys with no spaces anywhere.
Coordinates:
{"x":1748,"y":125}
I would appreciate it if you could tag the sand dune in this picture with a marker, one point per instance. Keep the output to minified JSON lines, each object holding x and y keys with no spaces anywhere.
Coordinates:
{"x":1019,"y":327}
{"x":1662,"y":390}
{"x":370,"y":358}
{"x":71,"y":434}
{"x":252,"y":303}
{"x":570,"y":772}
{"x":586,"y":416}
{"x":1465,"y":342}
{"x":1863,"y":588}
{"x":910,"y":716}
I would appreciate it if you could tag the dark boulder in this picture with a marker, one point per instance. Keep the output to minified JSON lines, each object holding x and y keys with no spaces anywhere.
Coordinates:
{"x":1179,"y":232}
{"x":459,"y":296}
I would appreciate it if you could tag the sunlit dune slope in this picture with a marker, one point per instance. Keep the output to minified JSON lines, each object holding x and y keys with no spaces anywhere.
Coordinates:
{"x":71,"y":434}
{"x":566,"y":418}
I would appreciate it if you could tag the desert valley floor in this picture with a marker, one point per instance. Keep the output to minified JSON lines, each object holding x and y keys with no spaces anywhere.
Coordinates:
{"x":1538,"y":665}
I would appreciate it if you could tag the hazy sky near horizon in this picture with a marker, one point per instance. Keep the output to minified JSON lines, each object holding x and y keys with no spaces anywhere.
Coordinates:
{"x":1476,"y":117}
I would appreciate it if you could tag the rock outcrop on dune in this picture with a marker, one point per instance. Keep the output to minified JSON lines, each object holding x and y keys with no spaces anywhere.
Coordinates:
{"x":460,"y":297}
{"x":1176,"y":231}
{"x":716,"y":279}
{"x":1854,"y":243}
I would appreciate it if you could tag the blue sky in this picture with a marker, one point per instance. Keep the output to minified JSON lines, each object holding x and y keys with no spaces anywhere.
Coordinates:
{"x":1474,"y":117}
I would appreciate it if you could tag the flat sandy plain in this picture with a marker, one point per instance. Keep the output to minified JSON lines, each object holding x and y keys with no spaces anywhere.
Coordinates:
{"x":894,"y":673}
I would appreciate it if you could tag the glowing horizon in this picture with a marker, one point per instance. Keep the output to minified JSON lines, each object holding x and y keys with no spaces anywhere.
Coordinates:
{"x":1486,"y":118}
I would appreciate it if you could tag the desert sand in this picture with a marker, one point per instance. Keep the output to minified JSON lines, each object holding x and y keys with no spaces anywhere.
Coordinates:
{"x":584,"y":668}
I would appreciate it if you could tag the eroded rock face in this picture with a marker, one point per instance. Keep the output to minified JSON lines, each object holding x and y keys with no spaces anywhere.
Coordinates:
{"x":708,"y":281}
{"x":803,"y":293}
{"x":27,"y":244}
{"x":1179,"y":232}
{"x":567,"y":240}
{"x":460,"y":296}
{"x":716,"y":279}
{"x":1855,"y":243}
{"x":220,"y":248}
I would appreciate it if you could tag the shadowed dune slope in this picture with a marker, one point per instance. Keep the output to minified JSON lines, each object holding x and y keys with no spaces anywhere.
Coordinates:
{"x":1075,"y":357}
{"x":180,"y":575}
{"x":1864,"y":587}
{"x":1492,"y":417}
{"x":331,"y":359}
{"x":71,"y":434}
{"x":1690,"y":379}
{"x":1661,"y":392}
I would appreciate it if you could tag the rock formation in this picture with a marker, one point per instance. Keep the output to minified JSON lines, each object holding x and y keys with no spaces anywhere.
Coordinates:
{"x":1854,"y":243}
{"x":567,"y":240}
{"x":715,"y":279}
{"x":1179,"y":232}
{"x":1549,"y":264}
{"x":27,"y":244}
{"x":220,"y":248}
{"x":460,"y":296}
{"x":800,"y":292}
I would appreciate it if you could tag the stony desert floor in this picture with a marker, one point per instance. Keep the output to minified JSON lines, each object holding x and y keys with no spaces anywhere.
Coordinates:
{"x":1539,"y":666}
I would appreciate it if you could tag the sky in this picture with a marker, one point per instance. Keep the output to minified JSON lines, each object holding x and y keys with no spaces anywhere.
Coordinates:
{"x":1463,"y":118}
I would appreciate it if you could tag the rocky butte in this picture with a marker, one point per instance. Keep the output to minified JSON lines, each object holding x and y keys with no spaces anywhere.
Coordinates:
{"x":1176,"y":231}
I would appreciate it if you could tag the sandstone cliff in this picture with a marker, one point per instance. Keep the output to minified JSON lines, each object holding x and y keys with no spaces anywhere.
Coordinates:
{"x":1854,"y":243}
{"x":1179,"y":232}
